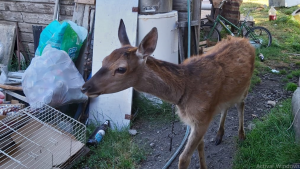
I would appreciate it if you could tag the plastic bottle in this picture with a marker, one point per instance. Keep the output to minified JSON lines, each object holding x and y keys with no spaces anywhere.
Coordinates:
{"x":98,"y":134}
{"x":261,"y":56}
{"x":272,"y":14}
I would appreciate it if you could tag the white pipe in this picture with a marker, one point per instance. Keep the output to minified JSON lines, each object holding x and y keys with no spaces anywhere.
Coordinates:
{"x":206,"y":6}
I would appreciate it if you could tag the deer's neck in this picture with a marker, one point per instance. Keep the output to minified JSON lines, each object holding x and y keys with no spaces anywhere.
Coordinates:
{"x":162,"y":79}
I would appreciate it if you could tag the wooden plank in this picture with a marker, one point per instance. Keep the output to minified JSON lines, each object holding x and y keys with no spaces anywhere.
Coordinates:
{"x":85,"y":19}
{"x":34,"y":18}
{"x":196,"y":16}
{"x":16,"y":95}
{"x":27,"y":27}
{"x":63,"y":2}
{"x":41,"y":18}
{"x":92,"y":19}
{"x":35,"y":7}
{"x":78,"y":14}
{"x":17,"y":75}
{"x":7,"y":38}
{"x":66,"y":10}
{"x":180,"y":44}
{"x":89,"y":2}
{"x":10,"y":87}
{"x":28,"y":7}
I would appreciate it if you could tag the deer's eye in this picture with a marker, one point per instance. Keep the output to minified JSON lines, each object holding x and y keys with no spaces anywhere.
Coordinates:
{"x":121,"y":70}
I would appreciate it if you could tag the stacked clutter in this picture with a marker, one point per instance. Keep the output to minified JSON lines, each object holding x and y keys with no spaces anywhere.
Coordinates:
{"x":53,"y":79}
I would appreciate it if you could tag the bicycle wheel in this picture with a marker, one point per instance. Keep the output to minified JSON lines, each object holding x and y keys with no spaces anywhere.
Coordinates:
{"x":204,"y":32}
{"x":259,"y":37}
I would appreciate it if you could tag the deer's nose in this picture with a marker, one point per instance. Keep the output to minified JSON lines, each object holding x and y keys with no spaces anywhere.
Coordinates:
{"x":85,"y":88}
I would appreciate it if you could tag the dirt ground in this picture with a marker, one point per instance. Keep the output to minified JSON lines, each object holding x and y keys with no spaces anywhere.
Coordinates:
{"x":157,"y":137}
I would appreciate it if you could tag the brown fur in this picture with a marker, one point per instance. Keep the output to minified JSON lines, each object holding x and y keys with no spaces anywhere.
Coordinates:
{"x":201,"y":87}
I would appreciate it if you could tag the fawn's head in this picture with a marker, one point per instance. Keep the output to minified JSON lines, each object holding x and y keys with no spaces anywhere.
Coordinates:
{"x":120,"y":69}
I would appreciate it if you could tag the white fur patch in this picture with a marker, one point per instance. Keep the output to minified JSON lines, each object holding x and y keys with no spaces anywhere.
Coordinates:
{"x":139,"y":54}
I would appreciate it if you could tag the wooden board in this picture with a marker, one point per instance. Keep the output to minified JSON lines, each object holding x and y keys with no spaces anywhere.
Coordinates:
{"x":108,"y":14}
{"x":10,"y":87}
{"x":62,"y":2}
{"x":7,"y":38}
{"x":35,"y":7}
{"x":78,"y":14}
{"x":90,"y":2}
{"x":35,"y":18}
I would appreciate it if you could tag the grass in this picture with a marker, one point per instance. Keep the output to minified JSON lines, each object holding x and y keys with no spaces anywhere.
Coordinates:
{"x":291,"y":86}
{"x":285,"y":34}
{"x":13,"y":67}
{"x":283,"y":72}
{"x":285,"y":31}
{"x":117,"y":150}
{"x":270,"y":143}
{"x":255,"y":79}
{"x":152,"y":111}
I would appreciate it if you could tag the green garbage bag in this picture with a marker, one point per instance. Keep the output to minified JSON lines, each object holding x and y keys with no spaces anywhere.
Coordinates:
{"x":66,"y":36}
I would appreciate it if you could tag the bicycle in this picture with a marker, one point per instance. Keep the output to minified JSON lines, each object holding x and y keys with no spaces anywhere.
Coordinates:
{"x":258,"y":35}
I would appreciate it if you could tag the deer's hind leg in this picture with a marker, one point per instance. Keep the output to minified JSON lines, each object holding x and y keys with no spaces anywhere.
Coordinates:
{"x":194,"y":140}
{"x":221,"y":127}
{"x":240,"y":108}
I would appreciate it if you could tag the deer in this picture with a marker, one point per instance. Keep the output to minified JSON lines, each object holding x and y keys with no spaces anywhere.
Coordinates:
{"x":200,"y":87}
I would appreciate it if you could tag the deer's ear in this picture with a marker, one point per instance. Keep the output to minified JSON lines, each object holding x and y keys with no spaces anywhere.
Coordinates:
{"x":148,"y":44}
{"x":122,"y":34}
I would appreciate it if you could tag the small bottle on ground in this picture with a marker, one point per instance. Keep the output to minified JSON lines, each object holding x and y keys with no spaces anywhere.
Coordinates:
{"x":272,"y":14}
{"x":98,"y":134}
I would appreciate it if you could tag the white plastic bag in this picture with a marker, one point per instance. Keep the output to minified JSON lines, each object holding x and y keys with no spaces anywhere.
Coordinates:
{"x":53,"y":79}
{"x":3,"y":76}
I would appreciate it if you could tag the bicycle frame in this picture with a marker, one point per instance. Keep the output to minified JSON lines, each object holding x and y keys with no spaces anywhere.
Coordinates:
{"x":240,"y":29}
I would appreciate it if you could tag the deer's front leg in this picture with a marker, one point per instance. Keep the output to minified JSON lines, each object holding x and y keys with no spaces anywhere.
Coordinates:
{"x":196,"y":135}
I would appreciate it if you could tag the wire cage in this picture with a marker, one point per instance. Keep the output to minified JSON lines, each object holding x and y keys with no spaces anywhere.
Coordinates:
{"x":40,"y":138}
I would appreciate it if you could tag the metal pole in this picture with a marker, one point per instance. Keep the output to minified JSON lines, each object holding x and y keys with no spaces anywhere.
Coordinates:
{"x":55,"y":9}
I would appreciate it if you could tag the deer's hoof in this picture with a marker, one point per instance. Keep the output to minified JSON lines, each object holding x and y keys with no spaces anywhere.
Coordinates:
{"x":242,"y":137}
{"x":218,"y":140}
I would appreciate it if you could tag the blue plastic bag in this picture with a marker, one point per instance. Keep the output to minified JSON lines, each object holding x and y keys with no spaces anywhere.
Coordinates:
{"x":66,"y":36}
